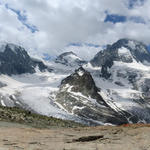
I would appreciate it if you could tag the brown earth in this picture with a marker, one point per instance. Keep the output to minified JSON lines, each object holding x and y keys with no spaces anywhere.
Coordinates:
{"x":127,"y":137}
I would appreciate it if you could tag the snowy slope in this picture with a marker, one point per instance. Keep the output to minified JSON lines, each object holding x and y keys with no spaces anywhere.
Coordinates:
{"x":128,"y":81}
{"x":32,"y":92}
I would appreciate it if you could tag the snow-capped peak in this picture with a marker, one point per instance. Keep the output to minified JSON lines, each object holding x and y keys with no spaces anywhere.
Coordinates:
{"x":133,"y":45}
{"x":10,"y":46}
{"x":2,"y":46}
{"x":13,"y":47}
{"x":69,"y":59}
{"x":124,"y":50}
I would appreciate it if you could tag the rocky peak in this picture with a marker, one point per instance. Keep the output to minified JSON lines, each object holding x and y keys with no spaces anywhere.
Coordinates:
{"x":137,"y":49}
{"x":79,"y":95}
{"x":69,"y":59}
{"x":15,"y":60}
{"x":133,"y":44}
{"x":82,"y":81}
{"x":124,"y":50}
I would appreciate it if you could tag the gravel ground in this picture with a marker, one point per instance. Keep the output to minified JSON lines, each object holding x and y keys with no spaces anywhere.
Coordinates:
{"x":20,"y":137}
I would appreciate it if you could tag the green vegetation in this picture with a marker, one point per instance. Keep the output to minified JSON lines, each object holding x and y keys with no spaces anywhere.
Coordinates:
{"x":18,"y":115}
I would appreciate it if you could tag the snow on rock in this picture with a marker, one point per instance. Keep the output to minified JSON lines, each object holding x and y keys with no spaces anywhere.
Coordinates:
{"x":80,"y":72}
{"x":124,"y":51}
{"x":132,"y":44}
{"x":12,"y":46}
{"x":2,"y":102}
{"x":70,"y":59}
{"x":2,"y":46}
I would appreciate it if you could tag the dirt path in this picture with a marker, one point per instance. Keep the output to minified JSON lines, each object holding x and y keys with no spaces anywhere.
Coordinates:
{"x":20,"y":137}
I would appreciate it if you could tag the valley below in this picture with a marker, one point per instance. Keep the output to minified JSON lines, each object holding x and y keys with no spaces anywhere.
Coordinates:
{"x":14,"y":136}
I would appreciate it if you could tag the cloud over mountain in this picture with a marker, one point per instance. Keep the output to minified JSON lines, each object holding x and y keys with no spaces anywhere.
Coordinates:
{"x":49,"y":26}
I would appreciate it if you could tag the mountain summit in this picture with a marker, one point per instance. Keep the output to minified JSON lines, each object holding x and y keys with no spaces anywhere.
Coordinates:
{"x":79,"y":95}
{"x":15,"y":60}
{"x":70,"y":59}
{"x":124,"y":50}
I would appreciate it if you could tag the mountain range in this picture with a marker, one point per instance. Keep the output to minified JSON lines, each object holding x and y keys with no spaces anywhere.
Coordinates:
{"x":111,"y":88}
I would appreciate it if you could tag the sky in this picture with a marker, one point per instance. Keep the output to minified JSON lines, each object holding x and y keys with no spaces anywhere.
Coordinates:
{"x":50,"y":27}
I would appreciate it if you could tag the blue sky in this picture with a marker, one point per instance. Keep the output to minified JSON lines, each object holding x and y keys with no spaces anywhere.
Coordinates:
{"x":51,"y":26}
{"x":133,"y":3}
{"x":22,"y":17}
{"x":114,"y":18}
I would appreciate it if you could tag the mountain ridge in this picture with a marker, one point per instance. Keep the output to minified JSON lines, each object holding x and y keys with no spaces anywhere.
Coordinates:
{"x":124,"y":50}
{"x":15,"y":60}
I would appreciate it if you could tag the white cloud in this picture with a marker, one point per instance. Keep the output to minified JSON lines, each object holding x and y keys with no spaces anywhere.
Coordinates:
{"x":68,"y":21}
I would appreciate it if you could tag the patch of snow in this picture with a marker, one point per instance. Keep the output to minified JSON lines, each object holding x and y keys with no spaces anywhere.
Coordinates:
{"x":89,"y":66}
{"x":80,"y":73}
{"x":37,"y":69}
{"x":134,"y":65}
{"x":137,"y":46}
{"x":77,"y":107}
{"x":12,"y":47}
{"x":60,"y":106}
{"x":67,"y":87}
{"x":18,"y":103}
{"x":124,"y":52}
{"x":132,"y":44}
{"x":72,"y":57}
{"x":13,"y":97}
{"x":2,"y":46}
{"x":3,"y":104}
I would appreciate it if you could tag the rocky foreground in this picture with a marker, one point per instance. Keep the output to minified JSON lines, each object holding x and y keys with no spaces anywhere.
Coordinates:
{"x":21,"y":137}
{"x":23,"y":130}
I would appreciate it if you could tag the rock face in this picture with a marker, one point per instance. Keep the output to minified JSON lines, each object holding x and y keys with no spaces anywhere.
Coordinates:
{"x":82,"y":82}
{"x":79,"y":95}
{"x":15,"y":60}
{"x":70,"y":59}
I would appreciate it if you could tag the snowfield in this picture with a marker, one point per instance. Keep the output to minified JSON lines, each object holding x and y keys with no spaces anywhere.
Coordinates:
{"x":33,"y":91}
{"x":123,"y":96}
